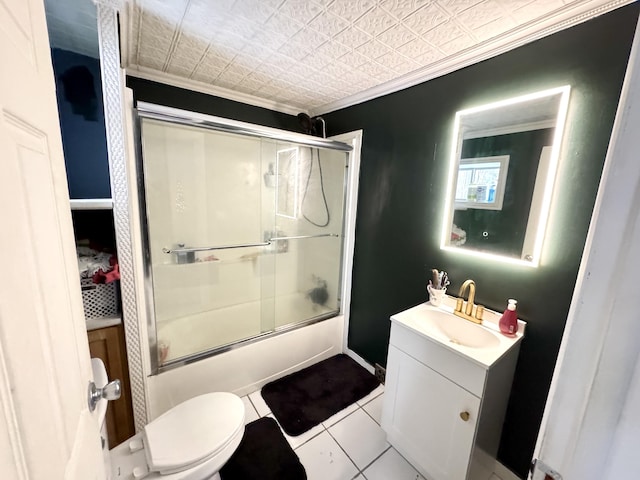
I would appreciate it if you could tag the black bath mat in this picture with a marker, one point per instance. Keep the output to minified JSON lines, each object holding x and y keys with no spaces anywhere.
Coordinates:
{"x":302,"y":400}
{"x":263,"y":454}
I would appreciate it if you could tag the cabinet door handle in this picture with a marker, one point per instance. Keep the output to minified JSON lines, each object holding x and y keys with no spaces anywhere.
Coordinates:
{"x":464,"y":416}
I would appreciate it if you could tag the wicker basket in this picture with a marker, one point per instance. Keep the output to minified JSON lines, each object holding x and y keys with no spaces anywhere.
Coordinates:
{"x":99,"y":299}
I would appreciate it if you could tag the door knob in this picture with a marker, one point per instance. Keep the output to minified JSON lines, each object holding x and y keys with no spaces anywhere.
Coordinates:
{"x":111,"y":391}
{"x":464,"y":416}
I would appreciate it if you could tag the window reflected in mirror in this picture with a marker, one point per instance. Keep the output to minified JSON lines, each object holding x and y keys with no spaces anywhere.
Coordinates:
{"x":503,"y":162}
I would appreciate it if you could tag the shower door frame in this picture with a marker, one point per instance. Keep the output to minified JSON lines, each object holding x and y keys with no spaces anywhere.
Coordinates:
{"x":185,"y":118}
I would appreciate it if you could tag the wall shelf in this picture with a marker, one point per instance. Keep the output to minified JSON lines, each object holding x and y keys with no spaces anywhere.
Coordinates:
{"x":91,"y":204}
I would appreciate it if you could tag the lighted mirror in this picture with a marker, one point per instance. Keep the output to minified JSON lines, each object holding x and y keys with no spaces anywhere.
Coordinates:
{"x":503,"y":163}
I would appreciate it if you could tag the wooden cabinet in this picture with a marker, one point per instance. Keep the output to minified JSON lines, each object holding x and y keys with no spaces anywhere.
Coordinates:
{"x":108,"y":344}
{"x":442,"y":411}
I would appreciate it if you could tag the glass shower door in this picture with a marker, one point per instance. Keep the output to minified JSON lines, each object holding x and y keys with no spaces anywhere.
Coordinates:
{"x":204,"y":207}
{"x":309,"y":211}
{"x":243,"y":236}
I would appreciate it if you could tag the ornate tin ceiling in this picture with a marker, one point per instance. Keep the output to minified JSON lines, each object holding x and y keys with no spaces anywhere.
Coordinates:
{"x":319,"y":55}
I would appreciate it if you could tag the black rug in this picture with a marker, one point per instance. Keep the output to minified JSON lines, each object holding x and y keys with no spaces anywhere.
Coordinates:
{"x":263,"y":454}
{"x":302,"y":400}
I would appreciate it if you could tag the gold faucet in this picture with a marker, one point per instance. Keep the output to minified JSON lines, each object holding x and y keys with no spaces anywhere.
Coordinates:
{"x":468,"y":313}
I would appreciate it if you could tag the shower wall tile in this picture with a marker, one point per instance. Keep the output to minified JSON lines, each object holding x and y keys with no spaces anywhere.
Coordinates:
{"x":221,"y":43}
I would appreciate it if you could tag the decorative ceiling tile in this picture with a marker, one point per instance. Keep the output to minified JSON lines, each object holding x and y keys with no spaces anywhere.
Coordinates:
{"x":156,"y":32}
{"x":310,"y":37}
{"x":353,"y":37}
{"x":536,"y":10}
{"x":351,"y":10}
{"x":284,"y":25}
{"x":328,"y":23}
{"x":254,"y":10}
{"x":317,"y":60}
{"x":179,"y":71}
{"x":402,"y":8}
{"x":205,"y":76}
{"x":392,"y":60}
{"x":396,"y":36}
{"x":353,"y":59}
{"x":479,"y":15}
{"x":373,"y":49}
{"x":456,"y":6}
{"x":443,"y":34}
{"x":281,"y":61}
{"x":429,"y":57}
{"x":426,"y":18}
{"x":493,"y":29}
{"x":307,"y":53}
{"x":188,"y":52}
{"x":301,"y":10}
{"x":373,"y":69}
{"x":256,"y":51}
{"x":406,"y":67}
{"x":170,"y":12}
{"x":457,"y":45}
{"x":268,"y":39}
{"x":333,"y":49}
{"x":375,"y":21}
{"x":295,"y":50}
{"x":414,"y":49}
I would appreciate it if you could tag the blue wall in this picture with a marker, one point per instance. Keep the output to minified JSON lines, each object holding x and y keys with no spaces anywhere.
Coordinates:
{"x":84,"y":141}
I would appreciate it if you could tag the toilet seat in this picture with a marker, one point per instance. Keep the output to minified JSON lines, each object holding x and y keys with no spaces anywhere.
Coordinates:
{"x":192,"y":432}
{"x":192,"y":441}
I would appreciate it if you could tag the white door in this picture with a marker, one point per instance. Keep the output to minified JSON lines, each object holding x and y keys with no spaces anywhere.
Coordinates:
{"x":591,"y":425}
{"x":46,"y":430}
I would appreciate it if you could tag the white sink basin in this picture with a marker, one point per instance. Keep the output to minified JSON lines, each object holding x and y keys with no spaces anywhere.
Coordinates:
{"x":461,"y":331}
{"x":483,"y":344}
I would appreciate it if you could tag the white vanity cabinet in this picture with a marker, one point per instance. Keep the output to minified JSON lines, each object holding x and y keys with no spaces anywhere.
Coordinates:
{"x":443,"y":409}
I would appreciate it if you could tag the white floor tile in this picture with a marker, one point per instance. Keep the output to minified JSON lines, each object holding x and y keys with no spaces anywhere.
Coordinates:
{"x":361,"y":437}
{"x":376,"y":392}
{"x":340,"y":415}
{"x":495,"y":477}
{"x":258,"y":402}
{"x":295,"y":442}
{"x":374,"y":408}
{"x":250,"y":413}
{"x":323,"y":459}
{"x":392,"y":465}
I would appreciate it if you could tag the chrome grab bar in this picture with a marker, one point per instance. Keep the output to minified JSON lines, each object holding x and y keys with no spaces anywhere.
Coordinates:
{"x":296,"y":237}
{"x":245,"y":245}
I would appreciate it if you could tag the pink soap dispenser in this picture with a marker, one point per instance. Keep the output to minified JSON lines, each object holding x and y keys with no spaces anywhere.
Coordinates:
{"x":509,"y":320}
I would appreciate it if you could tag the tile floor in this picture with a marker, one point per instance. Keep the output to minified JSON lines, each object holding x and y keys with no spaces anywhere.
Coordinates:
{"x":348,"y":446}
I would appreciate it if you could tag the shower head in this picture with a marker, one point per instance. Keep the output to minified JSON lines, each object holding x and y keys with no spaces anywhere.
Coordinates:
{"x":307,"y":124}
{"x":310,"y":125}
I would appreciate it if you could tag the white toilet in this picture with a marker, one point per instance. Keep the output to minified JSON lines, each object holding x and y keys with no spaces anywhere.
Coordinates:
{"x":191,"y":441}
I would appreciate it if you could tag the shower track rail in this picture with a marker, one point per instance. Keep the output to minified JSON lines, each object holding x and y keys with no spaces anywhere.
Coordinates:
{"x":245,"y":245}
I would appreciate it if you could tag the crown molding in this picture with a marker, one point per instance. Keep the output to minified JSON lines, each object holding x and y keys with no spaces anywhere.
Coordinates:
{"x":564,"y":18}
{"x":169,"y":79}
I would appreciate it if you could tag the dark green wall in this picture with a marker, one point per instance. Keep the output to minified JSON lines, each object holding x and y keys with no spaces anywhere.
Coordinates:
{"x":161,"y":94}
{"x":402,"y":188}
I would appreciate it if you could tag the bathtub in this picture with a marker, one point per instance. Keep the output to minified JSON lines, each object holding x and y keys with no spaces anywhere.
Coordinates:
{"x":243,"y":369}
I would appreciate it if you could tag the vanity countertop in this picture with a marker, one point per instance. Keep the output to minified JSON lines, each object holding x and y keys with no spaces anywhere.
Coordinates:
{"x":418,"y":319}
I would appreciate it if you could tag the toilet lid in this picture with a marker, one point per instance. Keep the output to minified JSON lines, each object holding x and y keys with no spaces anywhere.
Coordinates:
{"x":192,"y":431}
